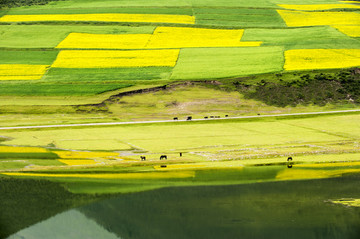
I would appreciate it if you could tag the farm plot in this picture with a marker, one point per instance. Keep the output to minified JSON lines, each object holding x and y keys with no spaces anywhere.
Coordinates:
{"x":204,"y":63}
{"x":48,"y":36}
{"x":353,"y":31}
{"x":303,"y":38}
{"x":321,"y":59}
{"x":299,"y":18}
{"x":22,"y":71}
{"x":108,"y":74}
{"x":243,"y":17}
{"x":56,"y":89}
{"x":106,"y":17}
{"x":163,"y":37}
{"x":316,"y":7}
{"x":110,"y":59}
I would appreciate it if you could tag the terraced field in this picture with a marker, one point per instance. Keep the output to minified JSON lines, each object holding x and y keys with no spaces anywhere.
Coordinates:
{"x":246,"y":39}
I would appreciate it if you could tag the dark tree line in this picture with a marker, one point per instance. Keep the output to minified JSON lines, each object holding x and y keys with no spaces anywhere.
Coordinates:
{"x":318,"y":89}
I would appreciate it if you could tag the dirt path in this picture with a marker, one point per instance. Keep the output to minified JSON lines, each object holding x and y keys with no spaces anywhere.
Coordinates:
{"x":172,"y":121}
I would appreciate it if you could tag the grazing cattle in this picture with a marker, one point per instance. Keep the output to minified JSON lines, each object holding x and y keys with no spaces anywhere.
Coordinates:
{"x":226,"y":115}
{"x":206,"y":117}
{"x":143,"y":158}
{"x":163,"y":157}
{"x":211,"y":116}
{"x":163,"y":166}
{"x":189,"y":118}
{"x":217,"y":116}
{"x":180,"y":154}
{"x":175,"y":118}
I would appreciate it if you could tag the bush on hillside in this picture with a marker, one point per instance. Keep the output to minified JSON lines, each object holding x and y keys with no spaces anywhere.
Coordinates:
{"x":19,"y":3}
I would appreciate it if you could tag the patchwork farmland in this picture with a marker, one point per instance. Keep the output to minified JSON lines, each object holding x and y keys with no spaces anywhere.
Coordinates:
{"x":165,"y":61}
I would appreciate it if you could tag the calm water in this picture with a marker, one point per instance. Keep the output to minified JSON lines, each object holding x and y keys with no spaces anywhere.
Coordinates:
{"x":290,"y":209}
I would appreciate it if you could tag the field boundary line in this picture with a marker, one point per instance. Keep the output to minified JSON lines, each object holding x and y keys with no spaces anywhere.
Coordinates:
{"x":174,"y":121}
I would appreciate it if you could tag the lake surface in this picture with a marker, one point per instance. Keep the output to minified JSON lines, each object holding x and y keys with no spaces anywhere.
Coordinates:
{"x":284,"y":209}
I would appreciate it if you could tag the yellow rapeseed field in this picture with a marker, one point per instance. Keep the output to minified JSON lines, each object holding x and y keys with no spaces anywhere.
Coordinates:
{"x":315,"y":7}
{"x":178,"y":166}
{"x":84,"y":155}
{"x":105,"y":41}
{"x":353,"y":31}
{"x":14,"y":149}
{"x":111,"y":59}
{"x":22,"y":71}
{"x":150,"y":175}
{"x":163,"y":37}
{"x":181,"y":37}
{"x":299,"y":18}
{"x":106,"y":17}
{"x":304,"y":59}
{"x":75,"y":162}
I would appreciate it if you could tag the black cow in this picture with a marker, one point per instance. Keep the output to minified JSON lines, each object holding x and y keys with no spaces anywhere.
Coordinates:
{"x":290,"y":163}
{"x":189,"y":118}
{"x":163,"y":157}
{"x":143,"y":158}
{"x":175,"y":118}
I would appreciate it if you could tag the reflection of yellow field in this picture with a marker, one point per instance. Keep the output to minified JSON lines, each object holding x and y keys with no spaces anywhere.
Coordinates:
{"x":293,"y":174}
{"x":353,"y":31}
{"x":163,"y":37}
{"x":152,"y":175}
{"x":10,"y":149}
{"x":298,"y":18}
{"x":348,"y":202}
{"x":107,"y":17}
{"x":321,"y":58}
{"x":84,"y":155}
{"x":325,"y":165}
{"x":314,"y":7}
{"x":22,"y":71}
{"x":110,"y":59}
{"x":109,"y":41}
{"x":181,"y":37}
{"x":77,"y":162}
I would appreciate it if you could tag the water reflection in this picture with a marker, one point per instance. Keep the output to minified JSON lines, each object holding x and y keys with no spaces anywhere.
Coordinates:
{"x":288,"y":209}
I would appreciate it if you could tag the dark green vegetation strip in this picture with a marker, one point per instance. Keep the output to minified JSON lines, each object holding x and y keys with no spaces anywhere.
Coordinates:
{"x":27,"y":57}
{"x":306,"y":88}
{"x":17,"y":3}
{"x":24,"y":202}
{"x":18,"y":89}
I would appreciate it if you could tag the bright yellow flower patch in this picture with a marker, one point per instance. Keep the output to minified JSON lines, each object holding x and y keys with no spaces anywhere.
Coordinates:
{"x":304,"y":59}
{"x":348,"y":202}
{"x":106,"y":17}
{"x":11,"y":149}
{"x":181,"y":37}
{"x":163,"y":37}
{"x":150,"y":175}
{"x":105,"y":41}
{"x":299,"y":19}
{"x":76,"y":162}
{"x":111,"y":59}
{"x":22,"y":71}
{"x":84,"y":155}
{"x":314,"y":7}
{"x":353,"y":31}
